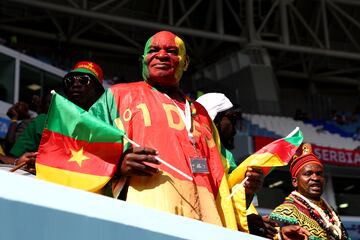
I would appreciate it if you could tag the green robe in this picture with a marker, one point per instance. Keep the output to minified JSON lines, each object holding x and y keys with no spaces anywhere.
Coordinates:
{"x":29,"y":140}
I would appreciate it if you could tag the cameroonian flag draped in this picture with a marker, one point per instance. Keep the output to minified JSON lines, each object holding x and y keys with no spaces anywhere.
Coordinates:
{"x":76,"y":149}
{"x":275,"y":154}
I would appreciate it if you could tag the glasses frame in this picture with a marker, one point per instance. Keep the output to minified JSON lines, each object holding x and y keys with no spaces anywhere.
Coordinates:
{"x":83,"y":80}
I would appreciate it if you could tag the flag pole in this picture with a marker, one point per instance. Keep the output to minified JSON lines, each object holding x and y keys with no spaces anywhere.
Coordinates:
{"x":17,"y":167}
{"x":162,"y":161}
{"x":237,"y":188}
{"x":293,"y":132}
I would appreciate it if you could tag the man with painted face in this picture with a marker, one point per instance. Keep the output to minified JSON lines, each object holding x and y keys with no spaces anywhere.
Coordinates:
{"x":156,"y":114}
{"x":304,"y":207}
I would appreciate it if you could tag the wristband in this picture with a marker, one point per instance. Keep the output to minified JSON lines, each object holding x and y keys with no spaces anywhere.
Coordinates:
{"x":16,"y":161}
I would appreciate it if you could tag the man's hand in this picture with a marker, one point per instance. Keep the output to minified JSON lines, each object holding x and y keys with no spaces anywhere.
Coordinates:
{"x":28,"y":158}
{"x":294,"y":232}
{"x":134,"y":162}
{"x":262,"y":226}
{"x":255,"y":180}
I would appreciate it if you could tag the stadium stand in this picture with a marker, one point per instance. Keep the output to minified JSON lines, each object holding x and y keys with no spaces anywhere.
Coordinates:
{"x":277,"y":126}
{"x":270,"y":57}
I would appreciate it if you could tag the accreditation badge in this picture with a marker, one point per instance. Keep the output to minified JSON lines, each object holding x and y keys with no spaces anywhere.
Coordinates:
{"x":199,"y":165}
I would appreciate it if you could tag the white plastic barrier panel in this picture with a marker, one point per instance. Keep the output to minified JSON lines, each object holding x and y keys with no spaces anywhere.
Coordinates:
{"x":34,"y":209}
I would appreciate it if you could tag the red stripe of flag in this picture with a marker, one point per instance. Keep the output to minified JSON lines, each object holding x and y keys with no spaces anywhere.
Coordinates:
{"x":55,"y":151}
{"x":280,"y":148}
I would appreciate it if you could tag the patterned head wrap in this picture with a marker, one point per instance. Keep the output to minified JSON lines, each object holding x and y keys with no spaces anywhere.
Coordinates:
{"x":302,"y":157}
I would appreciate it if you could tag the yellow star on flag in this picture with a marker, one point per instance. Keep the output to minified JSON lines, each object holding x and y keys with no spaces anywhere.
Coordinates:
{"x":78,"y":156}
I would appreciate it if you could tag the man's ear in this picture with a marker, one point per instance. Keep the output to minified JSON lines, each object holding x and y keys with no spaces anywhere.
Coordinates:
{"x":186,"y":62}
{"x":294,"y":182}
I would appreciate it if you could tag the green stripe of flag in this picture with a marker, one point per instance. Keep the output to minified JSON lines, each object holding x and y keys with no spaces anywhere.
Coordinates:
{"x":295,"y":139}
{"x":68,"y":119}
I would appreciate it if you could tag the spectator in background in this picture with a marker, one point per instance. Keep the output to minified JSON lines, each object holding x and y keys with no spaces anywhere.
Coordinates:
{"x":20,"y":118}
{"x":222,"y":112}
{"x":353,"y":118}
{"x":338,"y":117}
{"x":333,"y":114}
{"x":41,"y":104}
{"x":300,"y":115}
{"x":356,"y":135}
{"x":304,"y":208}
{"x":82,"y":85}
{"x":341,"y":118}
{"x":225,"y":117}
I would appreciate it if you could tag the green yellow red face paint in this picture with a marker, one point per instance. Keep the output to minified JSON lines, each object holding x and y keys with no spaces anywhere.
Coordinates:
{"x":164,"y":59}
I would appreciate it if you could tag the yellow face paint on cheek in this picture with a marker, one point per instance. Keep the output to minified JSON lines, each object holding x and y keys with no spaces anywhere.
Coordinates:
{"x":182,"y":57}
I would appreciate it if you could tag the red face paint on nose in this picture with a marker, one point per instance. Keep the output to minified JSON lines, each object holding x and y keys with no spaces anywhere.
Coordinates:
{"x":162,"y":52}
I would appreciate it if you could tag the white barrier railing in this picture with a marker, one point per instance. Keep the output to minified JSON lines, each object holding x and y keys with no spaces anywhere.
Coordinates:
{"x":34,"y":209}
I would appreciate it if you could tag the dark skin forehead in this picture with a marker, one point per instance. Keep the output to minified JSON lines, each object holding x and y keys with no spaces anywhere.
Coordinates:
{"x":311,"y":168}
{"x":165,"y":39}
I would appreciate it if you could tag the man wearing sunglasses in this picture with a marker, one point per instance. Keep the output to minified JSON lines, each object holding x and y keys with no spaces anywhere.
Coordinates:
{"x":83,"y":86}
{"x":225,"y":116}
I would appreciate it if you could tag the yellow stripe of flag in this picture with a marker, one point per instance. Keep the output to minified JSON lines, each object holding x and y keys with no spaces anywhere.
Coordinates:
{"x":83,"y":181}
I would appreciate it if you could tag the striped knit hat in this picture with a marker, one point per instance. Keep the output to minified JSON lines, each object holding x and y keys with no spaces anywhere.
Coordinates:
{"x":302,"y":157}
{"x":89,"y":68}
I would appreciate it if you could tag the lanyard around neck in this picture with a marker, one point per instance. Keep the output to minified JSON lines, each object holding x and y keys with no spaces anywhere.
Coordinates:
{"x":185,"y":115}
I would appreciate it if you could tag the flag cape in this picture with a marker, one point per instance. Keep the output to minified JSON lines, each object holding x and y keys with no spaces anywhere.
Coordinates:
{"x":77,"y":149}
{"x":275,"y":154}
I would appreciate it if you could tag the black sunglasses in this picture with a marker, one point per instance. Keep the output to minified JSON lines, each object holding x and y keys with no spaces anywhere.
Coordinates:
{"x":82,"y":79}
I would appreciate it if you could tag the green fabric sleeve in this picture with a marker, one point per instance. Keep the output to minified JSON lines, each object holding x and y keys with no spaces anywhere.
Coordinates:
{"x":230,"y":158}
{"x":29,"y":140}
{"x":105,"y":108}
